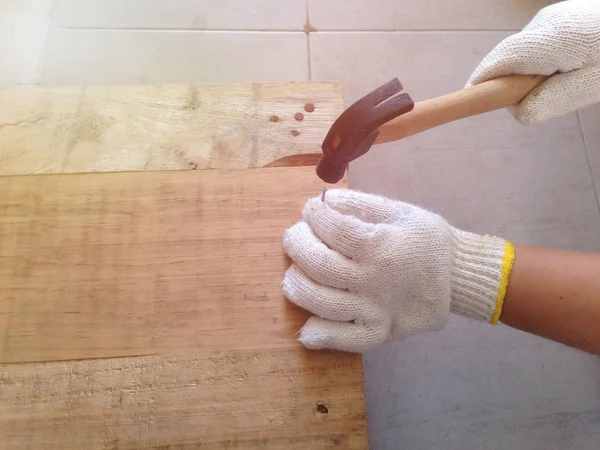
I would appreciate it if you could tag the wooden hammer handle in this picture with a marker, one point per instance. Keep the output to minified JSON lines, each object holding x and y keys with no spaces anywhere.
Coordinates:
{"x":478,"y":99}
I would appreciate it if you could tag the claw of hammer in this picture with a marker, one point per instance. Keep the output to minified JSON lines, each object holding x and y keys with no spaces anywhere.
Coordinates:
{"x":355,"y":130}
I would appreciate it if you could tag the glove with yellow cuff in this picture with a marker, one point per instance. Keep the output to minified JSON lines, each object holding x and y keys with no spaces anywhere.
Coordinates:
{"x":372,"y":269}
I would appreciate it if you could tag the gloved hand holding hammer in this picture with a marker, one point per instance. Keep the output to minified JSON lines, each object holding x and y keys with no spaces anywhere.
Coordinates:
{"x":563,"y":41}
{"x":372,"y":269}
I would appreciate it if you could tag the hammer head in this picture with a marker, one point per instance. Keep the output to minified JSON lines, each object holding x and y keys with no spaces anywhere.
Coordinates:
{"x":355,"y":131}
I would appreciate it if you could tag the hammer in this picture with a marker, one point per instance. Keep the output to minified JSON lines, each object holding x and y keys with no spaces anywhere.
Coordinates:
{"x":382,"y":116}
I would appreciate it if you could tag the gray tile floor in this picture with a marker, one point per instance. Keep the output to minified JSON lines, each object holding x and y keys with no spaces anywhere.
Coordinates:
{"x":469,"y":386}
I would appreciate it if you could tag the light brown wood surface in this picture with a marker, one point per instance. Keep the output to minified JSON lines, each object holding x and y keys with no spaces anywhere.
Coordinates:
{"x":121,"y":264}
{"x":242,"y":399}
{"x":211,"y":363}
{"x":479,"y":99}
{"x":161,"y":127}
{"x":185,"y":269}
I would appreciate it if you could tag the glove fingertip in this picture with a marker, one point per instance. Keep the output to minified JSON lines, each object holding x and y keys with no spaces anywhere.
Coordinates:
{"x":312,"y":206}
{"x":289,"y":285}
{"x":287,"y":238}
{"x":320,"y":333}
{"x":320,"y":217}
{"x":287,"y":278}
{"x":312,"y":337}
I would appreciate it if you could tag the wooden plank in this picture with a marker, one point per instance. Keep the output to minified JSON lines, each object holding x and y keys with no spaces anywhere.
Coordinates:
{"x":246,"y":399}
{"x":161,"y":127}
{"x":125,"y":264}
{"x":184,"y":268}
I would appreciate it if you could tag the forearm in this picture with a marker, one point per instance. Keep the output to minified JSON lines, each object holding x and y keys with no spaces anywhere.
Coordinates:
{"x":555,"y":294}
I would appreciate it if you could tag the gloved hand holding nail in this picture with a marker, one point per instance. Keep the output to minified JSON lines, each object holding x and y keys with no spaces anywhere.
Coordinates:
{"x":373,"y":269}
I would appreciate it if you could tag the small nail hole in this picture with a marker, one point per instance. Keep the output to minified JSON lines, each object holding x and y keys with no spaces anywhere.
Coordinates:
{"x":321,"y":408}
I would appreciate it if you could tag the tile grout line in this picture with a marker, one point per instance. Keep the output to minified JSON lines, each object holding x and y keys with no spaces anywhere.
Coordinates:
{"x":414,"y":31}
{"x":275,"y":30}
{"x":307,"y":29}
{"x":587,"y":159}
{"x":183,"y":30}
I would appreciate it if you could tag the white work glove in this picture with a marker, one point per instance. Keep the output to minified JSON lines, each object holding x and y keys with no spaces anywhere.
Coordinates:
{"x":562,"y":39}
{"x":373,"y":269}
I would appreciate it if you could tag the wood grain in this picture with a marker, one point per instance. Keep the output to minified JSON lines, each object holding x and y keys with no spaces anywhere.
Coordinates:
{"x":185,"y":269}
{"x":161,"y":127}
{"x":246,"y":399}
{"x":124,"y":264}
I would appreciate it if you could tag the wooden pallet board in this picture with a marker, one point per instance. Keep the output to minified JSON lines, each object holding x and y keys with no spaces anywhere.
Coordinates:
{"x":127,"y":264}
{"x":161,"y":127}
{"x":145,"y":309}
{"x":246,"y":399}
